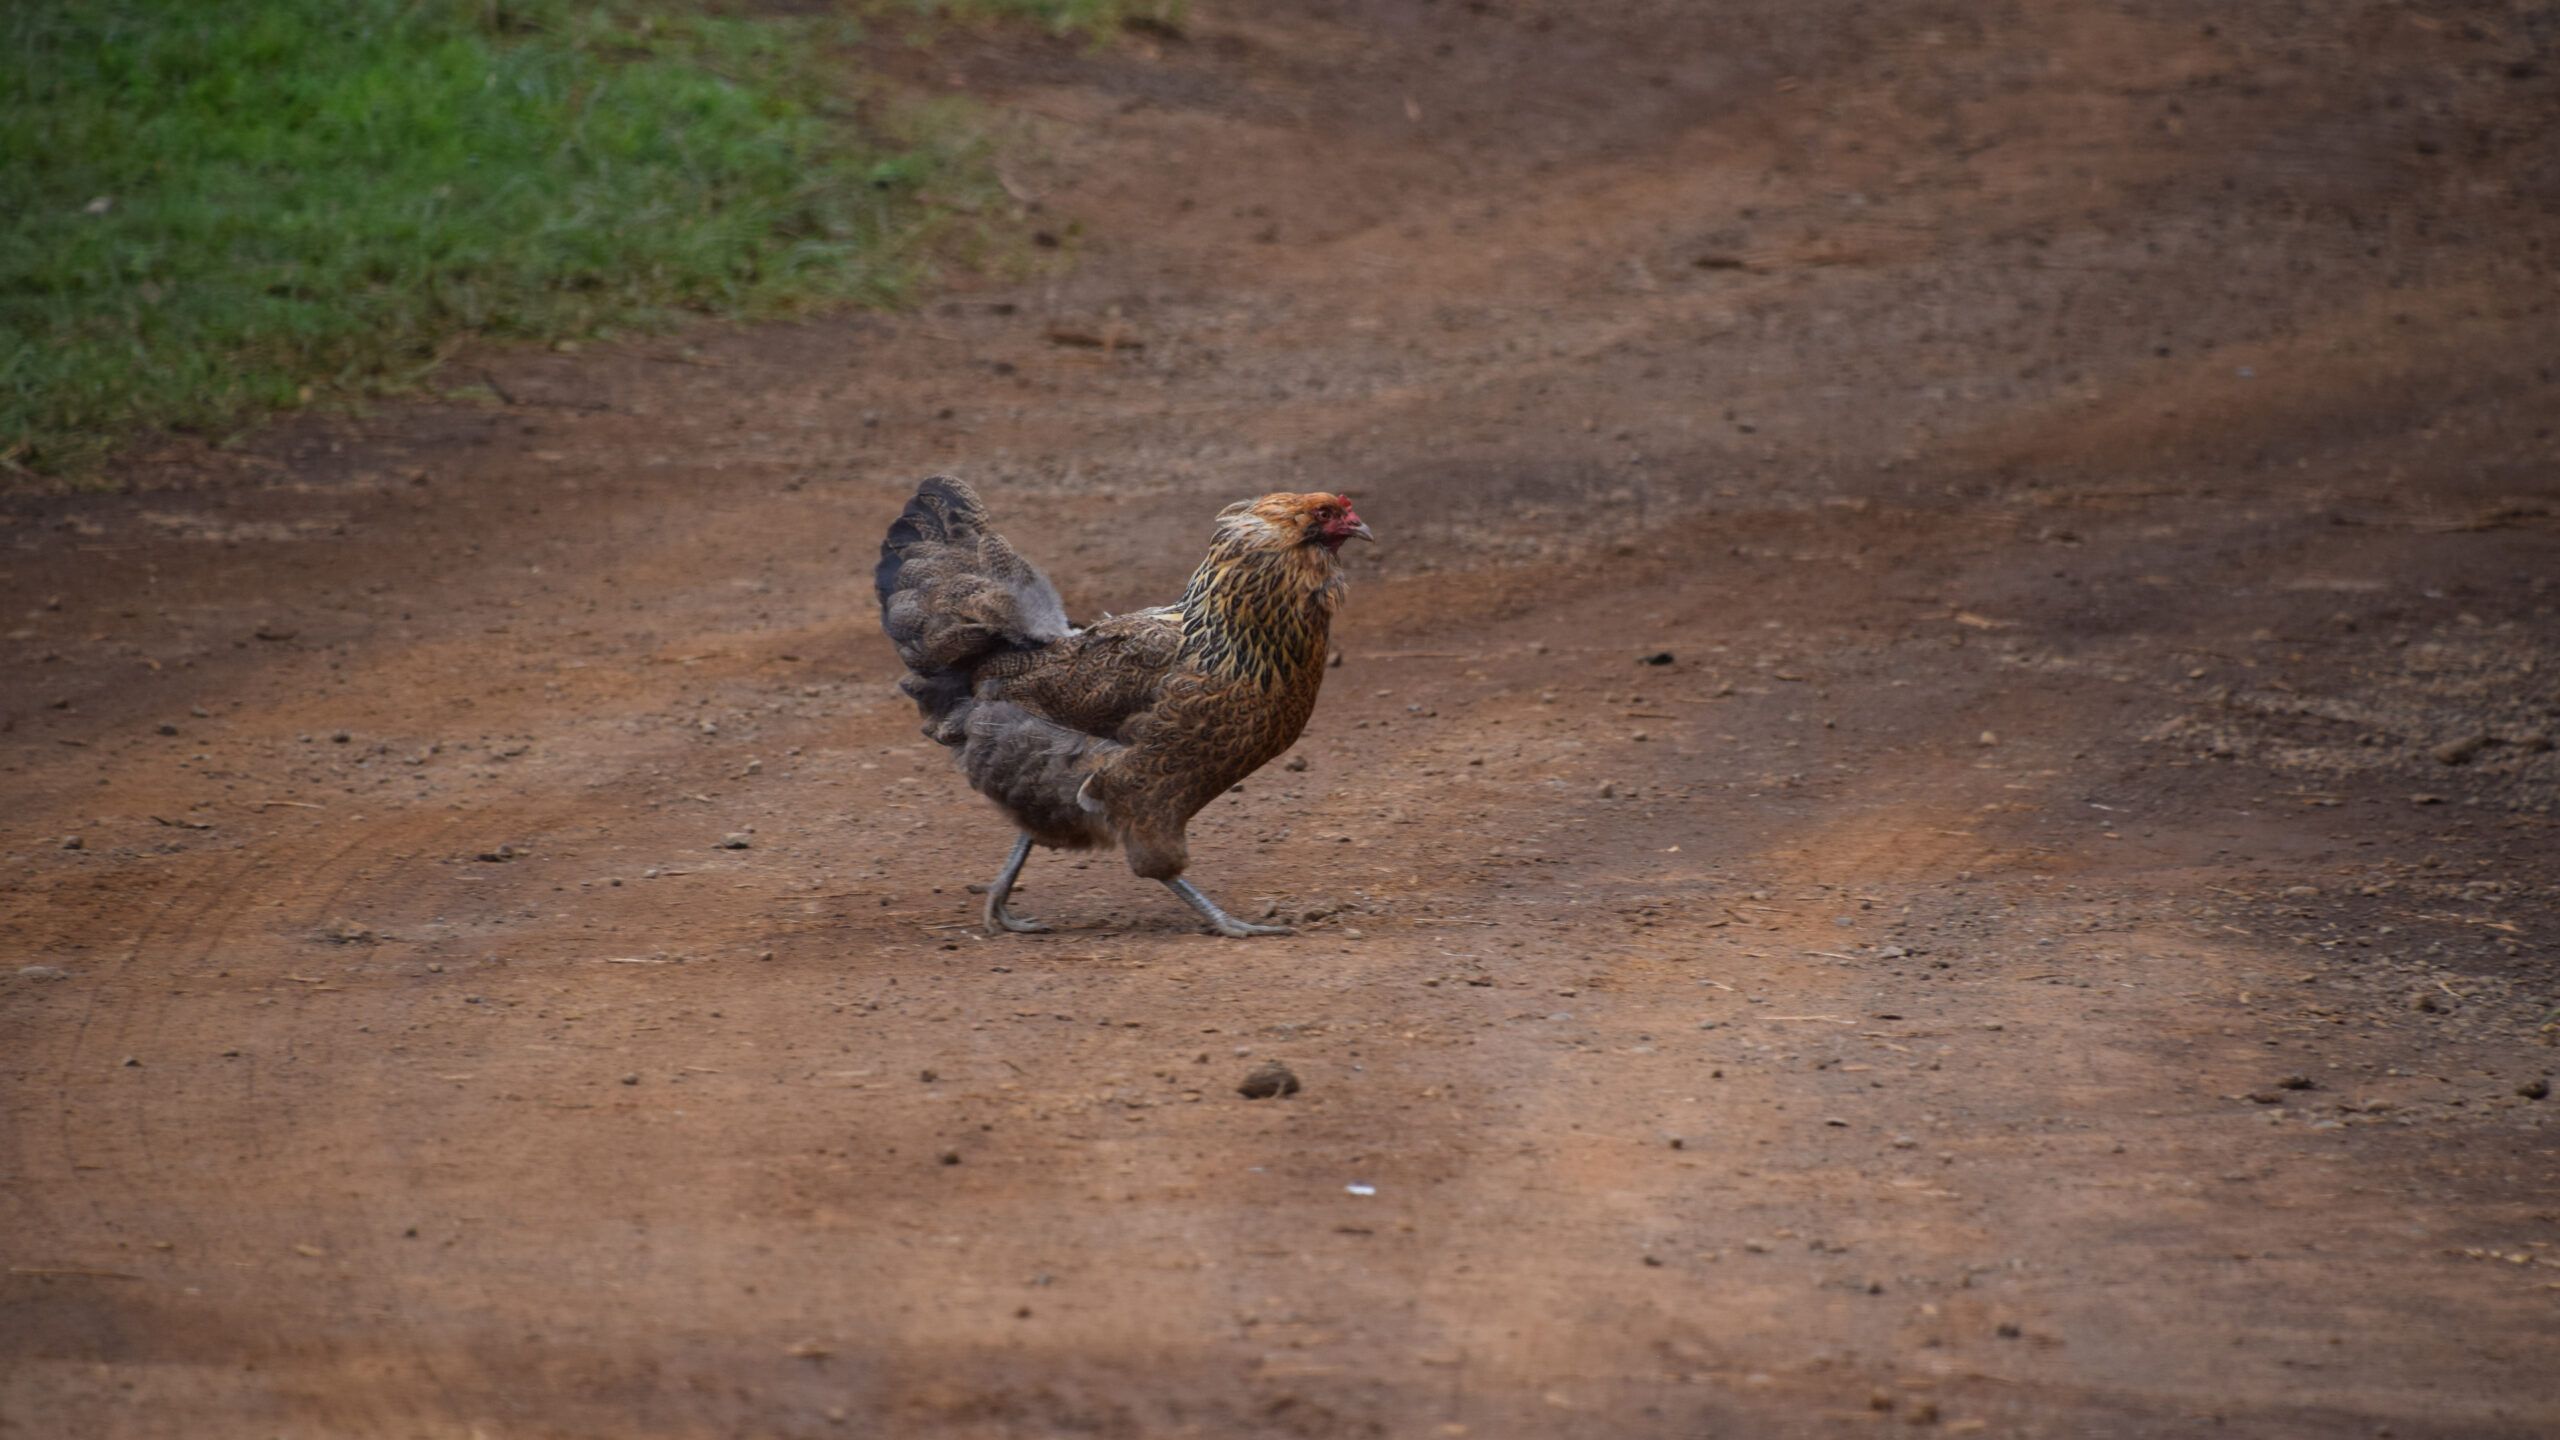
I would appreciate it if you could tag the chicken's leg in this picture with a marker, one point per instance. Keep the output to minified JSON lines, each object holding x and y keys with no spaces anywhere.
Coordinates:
{"x":1219,"y":920}
{"x":999,"y":918}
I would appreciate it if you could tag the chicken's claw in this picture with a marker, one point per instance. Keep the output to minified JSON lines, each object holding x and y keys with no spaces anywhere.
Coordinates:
{"x":999,"y":919}
{"x":1219,"y":920}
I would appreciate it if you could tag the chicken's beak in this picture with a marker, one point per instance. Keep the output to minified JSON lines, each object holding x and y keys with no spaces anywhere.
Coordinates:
{"x":1361,"y":529}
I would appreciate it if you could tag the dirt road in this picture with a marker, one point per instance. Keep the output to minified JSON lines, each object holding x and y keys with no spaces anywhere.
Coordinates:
{"x":1938,"y":811}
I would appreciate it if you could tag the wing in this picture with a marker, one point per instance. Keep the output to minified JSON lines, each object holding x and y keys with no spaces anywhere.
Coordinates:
{"x":1098,"y":679}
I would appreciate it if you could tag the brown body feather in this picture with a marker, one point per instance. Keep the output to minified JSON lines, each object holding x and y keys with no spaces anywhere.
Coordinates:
{"x":1120,"y":731}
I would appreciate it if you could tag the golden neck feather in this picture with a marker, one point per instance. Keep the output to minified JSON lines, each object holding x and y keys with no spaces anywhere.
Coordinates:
{"x":1260,"y":612}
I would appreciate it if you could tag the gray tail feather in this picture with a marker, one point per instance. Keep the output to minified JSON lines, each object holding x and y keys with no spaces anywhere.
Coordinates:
{"x":952,"y":593}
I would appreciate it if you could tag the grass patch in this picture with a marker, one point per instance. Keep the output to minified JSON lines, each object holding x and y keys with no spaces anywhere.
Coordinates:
{"x":210,"y":210}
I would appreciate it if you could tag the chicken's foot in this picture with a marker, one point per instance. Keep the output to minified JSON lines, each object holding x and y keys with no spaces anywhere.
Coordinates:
{"x":999,"y":919}
{"x":1219,"y":920}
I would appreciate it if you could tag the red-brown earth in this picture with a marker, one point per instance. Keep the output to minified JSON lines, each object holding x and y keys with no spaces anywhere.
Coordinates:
{"x":2062,"y":945}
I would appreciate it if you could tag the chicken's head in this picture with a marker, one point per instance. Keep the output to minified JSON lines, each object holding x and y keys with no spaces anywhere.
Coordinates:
{"x":1316,"y":518}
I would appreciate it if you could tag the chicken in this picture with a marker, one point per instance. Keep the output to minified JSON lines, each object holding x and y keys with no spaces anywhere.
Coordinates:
{"x":1120,"y":731}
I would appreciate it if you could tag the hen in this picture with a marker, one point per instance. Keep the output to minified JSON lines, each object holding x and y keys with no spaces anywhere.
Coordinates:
{"x":1119,"y":731}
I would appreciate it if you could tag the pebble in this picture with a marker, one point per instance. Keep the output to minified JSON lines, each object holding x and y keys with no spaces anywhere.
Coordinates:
{"x":43,"y":972}
{"x":1269,"y":1080}
{"x":2459,"y":752}
{"x":2531,"y":1089}
{"x":736,"y":840}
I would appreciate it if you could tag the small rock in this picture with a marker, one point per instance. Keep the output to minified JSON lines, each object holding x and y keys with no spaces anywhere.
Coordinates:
{"x":2460,"y":752}
{"x":43,"y":972}
{"x":735,"y":840}
{"x":1268,"y":1080}
{"x":2539,"y":1089}
{"x":928,"y":1076}
{"x":1295,"y":762}
{"x":1990,"y":738}
{"x":950,"y":1157}
{"x":350,"y":932}
{"x":2298,"y":1082}
{"x":73,"y":842}
{"x":1658,"y":657}
{"x":2426,"y":799}
{"x":498,"y":856}
{"x":1608,"y":789}
{"x":168,"y":729}
{"x":272,"y":631}
{"x":2425,"y":1001}
{"x":630,"y":1079}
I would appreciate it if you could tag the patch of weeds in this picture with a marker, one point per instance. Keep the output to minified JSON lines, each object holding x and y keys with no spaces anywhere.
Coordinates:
{"x":211,"y":211}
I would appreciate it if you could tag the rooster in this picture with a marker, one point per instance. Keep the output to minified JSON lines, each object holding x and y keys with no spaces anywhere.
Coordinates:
{"x":1120,"y":731}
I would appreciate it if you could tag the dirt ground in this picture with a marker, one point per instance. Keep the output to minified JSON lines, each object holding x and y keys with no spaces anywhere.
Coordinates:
{"x":1938,"y":813}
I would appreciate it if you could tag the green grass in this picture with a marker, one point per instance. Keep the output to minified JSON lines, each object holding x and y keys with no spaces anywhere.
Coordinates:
{"x":208,"y":210}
